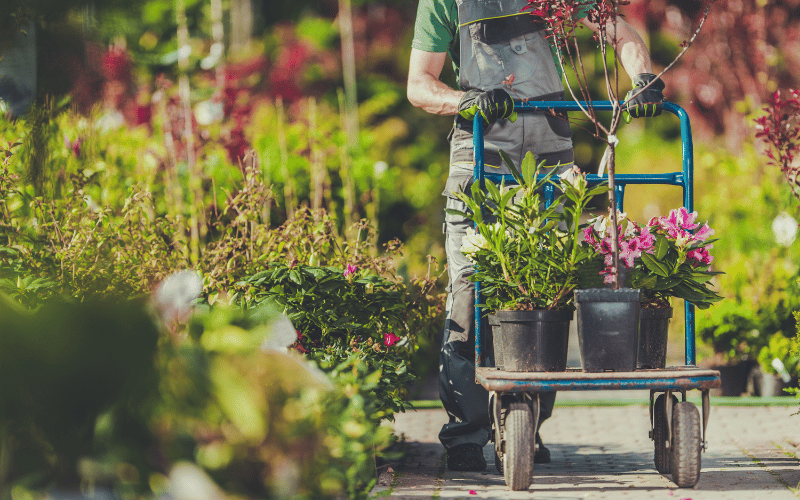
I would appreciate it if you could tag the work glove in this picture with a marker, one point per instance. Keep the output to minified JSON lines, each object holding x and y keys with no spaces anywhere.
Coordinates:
{"x":649,"y":101}
{"x":491,"y":105}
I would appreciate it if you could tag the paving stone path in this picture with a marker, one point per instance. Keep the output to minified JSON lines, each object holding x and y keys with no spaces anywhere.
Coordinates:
{"x":604,"y":452}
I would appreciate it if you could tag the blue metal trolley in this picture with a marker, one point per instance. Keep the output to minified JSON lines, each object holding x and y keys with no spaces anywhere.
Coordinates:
{"x":676,"y":427}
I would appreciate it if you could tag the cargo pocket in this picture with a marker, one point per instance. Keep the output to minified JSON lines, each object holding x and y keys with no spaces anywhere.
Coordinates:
{"x":559,"y":124}
{"x":500,"y":48}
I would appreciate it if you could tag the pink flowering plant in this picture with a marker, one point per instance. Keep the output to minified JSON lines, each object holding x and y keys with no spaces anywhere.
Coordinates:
{"x":667,"y":257}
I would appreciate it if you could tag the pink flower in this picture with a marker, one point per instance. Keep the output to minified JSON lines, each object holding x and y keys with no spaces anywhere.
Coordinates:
{"x":646,"y":241}
{"x":588,"y":236}
{"x":703,"y":233}
{"x":682,"y":218}
{"x":390,"y":339}
{"x":700,"y":255}
{"x":351,"y":269}
{"x":473,"y":492}
{"x":74,"y":146}
{"x":628,"y":251}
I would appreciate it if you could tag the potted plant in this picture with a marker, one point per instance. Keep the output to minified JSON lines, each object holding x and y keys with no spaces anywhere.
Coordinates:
{"x":778,"y":365}
{"x":668,"y":257}
{"x":529,"y":260}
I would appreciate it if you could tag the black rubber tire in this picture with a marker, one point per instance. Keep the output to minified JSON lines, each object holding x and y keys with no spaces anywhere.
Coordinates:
{"x":661,"y":434}
{"x":518,"y":457}
{"x":685,"y":457}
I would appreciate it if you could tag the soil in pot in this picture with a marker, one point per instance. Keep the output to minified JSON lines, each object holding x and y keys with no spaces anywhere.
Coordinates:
{"x":653,"y":330}
{"x":608,"y":328}
{"x":534,"y":341}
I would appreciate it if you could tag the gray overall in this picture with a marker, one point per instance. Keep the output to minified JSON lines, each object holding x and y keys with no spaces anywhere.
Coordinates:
{"x":497,"y":40}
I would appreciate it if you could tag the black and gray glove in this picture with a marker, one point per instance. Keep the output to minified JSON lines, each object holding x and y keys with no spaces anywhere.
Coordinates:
{"x":491,"y":105}
{"x":649,"y":101}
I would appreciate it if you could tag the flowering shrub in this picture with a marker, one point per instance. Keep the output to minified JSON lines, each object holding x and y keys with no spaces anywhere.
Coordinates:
{"x":527,"y":257}
{"x":779,"y":128}
{"x":341,"y":314}
{"x":664,"y":257}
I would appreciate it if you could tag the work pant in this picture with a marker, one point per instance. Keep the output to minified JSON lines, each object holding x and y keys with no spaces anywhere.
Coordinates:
{"x":466,"y":402}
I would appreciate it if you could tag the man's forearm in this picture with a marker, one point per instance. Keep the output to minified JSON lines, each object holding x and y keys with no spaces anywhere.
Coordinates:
{"x":632,"y":51}
{"x":433,"y":95}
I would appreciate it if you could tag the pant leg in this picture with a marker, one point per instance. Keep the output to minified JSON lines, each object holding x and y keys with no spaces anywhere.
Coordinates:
{"x":466,"y":402}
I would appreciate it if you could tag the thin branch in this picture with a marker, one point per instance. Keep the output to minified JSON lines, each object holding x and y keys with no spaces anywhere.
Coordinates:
{"x":678,"y":57}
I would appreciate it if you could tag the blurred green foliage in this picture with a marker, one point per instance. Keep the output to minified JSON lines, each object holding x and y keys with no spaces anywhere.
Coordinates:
{"x":742,"y":198}
{"x":93,"y":393}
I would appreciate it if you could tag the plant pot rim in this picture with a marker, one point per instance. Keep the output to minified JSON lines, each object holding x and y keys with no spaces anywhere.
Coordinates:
{"x":608,"y":295}
{"x":535,"y":315}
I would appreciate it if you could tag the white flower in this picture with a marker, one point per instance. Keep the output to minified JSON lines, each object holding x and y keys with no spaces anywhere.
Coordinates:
{"x":630,"y":229}
{"x":572,"y":176}
{"x":282,"y":334}
{"x":683,"y":239}
{"x":111,"y":120}
{"x":174,"y":297}
{"x":380,"y":168}
{"x":784,"y":227}
{"x":599,"y":225}
{"x":208,"y":112}
{"x":472,"y":242}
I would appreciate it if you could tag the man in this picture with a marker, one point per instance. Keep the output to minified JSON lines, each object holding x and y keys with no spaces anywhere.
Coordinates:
{"x":495,"y":46}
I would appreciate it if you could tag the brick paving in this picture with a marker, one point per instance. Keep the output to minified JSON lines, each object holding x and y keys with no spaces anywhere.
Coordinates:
{"x":604,"y":452}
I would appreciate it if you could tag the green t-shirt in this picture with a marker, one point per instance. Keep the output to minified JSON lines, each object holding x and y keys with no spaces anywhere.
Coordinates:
{"x":436,"y":29}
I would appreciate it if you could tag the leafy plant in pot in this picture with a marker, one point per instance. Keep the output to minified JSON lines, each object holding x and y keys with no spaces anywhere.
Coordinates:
{"x":528,"y":259}
{"x":663,"y":258}
{"x":778,"y":363}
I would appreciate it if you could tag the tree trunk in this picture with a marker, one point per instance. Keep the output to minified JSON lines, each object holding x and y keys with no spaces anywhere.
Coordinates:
{"x":241,"y":24}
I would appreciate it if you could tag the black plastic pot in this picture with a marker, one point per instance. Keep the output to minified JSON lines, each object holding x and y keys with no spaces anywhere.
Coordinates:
{"x":653,"y":329}
{"x":608,"y":328}
{"x":495,"y":335}
{"x":534,"y":341}
{"x":733,"y":378}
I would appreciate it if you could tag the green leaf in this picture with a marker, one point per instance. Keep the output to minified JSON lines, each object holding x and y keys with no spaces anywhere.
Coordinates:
{"x":646,"y":282}
{"x":661,"y":247}
{"x":529,"y":169}
{"x":512,"y":167}
{"x":655,"y":266}
{"x":493,"y":191}
{"x":601,"y":188}
{"x":667,"y":283}
{"x":508,"y":196}
{"x":453,"y":211}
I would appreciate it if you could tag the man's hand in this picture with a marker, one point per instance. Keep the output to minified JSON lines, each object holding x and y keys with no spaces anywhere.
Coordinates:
{"x":648,"y":102}
{"x":491,"y":105}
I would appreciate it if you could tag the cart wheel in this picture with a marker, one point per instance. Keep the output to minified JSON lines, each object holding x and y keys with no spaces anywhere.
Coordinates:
{"x":518,"y":459}
{"x":497,"y":416}
{"x":661,"y":433}
{"x":685,"y":458}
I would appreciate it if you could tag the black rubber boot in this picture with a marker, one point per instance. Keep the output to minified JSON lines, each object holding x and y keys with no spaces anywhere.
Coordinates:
{"x":542,"y":454}
{"x":466,"y":457}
